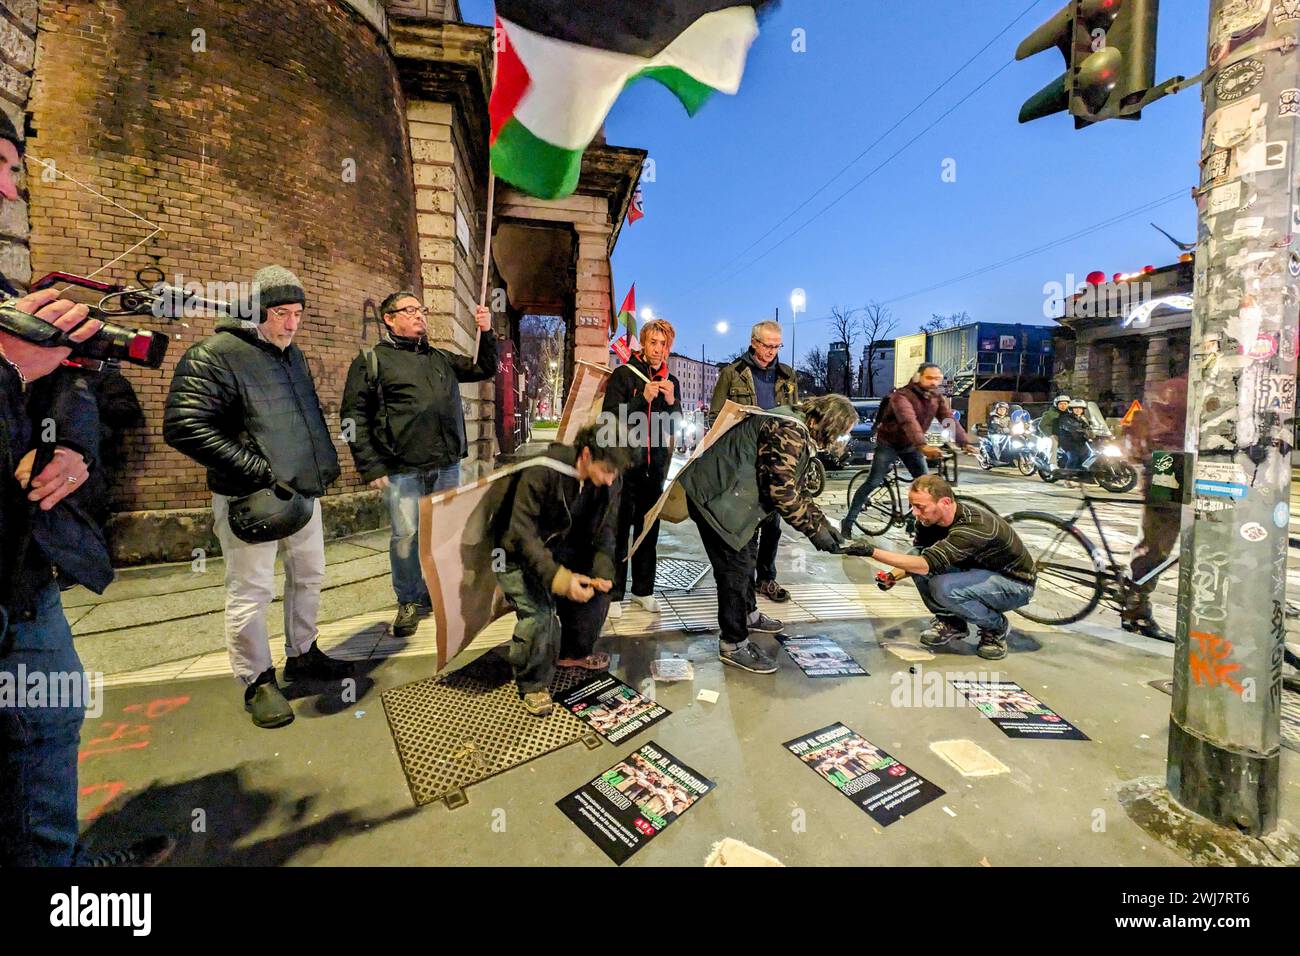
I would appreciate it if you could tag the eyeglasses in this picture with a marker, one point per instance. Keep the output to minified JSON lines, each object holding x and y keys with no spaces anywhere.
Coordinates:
{"x":764,"y":345}
{"x":411,"y":310}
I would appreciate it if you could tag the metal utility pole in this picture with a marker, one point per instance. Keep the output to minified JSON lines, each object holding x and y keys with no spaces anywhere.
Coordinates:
{"x":1224,"y":725}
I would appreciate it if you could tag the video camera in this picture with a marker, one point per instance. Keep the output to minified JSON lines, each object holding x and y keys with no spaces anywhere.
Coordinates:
{"x":113,"y":343}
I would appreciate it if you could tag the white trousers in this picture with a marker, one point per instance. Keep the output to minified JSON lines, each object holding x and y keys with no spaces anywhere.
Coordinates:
{"x":250,"y":588}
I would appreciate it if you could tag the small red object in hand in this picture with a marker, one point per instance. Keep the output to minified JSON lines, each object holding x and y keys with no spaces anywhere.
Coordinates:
{"x":885,"y":580}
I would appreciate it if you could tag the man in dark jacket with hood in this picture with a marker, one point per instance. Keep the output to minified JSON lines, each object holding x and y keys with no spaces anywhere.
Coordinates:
{"x":643,"y":398}
{"x":403,"y":420}
{"x":556,"y":529}
{"x":243,"y":403}
{"x":758,"y":378}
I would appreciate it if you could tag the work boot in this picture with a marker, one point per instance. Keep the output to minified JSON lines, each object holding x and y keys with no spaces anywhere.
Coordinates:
{"x":847,"y":525}
{"x":993,"y":642}
{"x":763,"y":624}
{"x":265,"y":702}
{"x":408,"y":618}
{"x":150,"y":851}
{"x":773,"y":592}
{"x":315,"y":665}
{"x":746,"y":655}
{"x":1146,"y":626}
{"x":539,"y":703}
{"x":940,"y":632}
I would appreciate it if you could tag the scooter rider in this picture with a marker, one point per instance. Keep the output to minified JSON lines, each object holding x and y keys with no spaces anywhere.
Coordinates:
{"x":1072,"y":429}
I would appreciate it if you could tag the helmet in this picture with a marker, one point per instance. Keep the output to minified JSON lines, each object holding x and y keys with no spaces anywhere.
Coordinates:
{"x":1060,"y":398}
{"x":1078,"y":403}
{"x":1001,"y":405}
{"x":270,"y":514}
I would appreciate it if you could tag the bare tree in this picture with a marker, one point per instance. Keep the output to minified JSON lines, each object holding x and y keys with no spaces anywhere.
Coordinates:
{"x":877,"y":324}
{"x":938,"y":322}
{"x":847,"y":327}
{"x":813,"y":371}
{"x":541,"y":351}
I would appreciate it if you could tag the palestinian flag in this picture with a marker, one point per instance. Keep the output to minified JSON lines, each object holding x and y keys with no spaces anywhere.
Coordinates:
{"x":636,"y":209}
{"x":628,"y":344}
{"x":561,"y":65}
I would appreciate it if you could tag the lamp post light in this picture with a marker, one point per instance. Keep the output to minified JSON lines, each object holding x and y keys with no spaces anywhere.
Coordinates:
{"x":798,"y":303}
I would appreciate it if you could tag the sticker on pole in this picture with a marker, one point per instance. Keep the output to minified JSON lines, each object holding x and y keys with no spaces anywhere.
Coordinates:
{"x":882,"y":787}
{"x":1282,"y":514}
{"x":1017,"y":712}
{"x":1219,"y":480}
{"x":1253,"y":532}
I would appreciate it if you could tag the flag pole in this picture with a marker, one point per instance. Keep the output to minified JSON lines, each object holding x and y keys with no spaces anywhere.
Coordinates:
{"x":491,"y":196}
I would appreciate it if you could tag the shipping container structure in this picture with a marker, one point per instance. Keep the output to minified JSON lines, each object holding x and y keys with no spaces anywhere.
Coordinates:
{"x":986,"y":361}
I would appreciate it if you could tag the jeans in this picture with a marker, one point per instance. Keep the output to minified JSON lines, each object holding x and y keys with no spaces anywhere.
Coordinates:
{"x":972,"y":597}
{"x":642,"y":486}
{"x":881,"y":463}
{"x":733,"y":572}
{"x":769,"y":537}
{"x":405,"y":489}
{"x":250,"y":588}
{"x":547,"y":628}
{"x":38,"y":745}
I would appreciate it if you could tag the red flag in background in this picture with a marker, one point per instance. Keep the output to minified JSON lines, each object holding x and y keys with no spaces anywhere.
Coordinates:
{"x":636,"y":210}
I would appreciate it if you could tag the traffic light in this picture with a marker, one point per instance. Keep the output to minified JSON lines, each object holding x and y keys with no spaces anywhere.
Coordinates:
{"x":1110,"y":57}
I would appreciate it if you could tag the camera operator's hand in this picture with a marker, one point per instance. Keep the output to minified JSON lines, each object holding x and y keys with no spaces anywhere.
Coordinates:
{"x":34,"y":361}
{"x":66,"y":472}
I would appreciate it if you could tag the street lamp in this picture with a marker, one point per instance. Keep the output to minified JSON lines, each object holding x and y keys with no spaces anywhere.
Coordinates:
{"x":721,"y":328}
{"x":647,"y":314}
{"x":798,"y":303}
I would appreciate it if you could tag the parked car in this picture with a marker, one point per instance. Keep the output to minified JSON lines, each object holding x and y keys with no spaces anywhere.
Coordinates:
{"x":862,"y":438}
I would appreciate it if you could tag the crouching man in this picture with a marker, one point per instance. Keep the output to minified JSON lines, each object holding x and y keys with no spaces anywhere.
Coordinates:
{"x":969,"y":566}
{"x":755,"y":470}
{"x":556,"y":529}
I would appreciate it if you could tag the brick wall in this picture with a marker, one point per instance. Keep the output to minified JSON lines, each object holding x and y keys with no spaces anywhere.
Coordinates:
{"x":238,"y":153}
{"x":451,"y":273}
{"x":17,"y":55}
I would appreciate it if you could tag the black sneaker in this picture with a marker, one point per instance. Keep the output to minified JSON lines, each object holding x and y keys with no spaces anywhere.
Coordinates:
{"x":993,"y":643}
{"x":748,"y":656}
{"x":268,"y":706}
{"x":773,"y":592}
{"x":408,"y":618}
{"x":763,"y":624}
{"x":847,"y":526}
{"x":940,"y":632}
{"x":147,"y":852}
{"x":1147,"y":627}
{"x":314,"y":664}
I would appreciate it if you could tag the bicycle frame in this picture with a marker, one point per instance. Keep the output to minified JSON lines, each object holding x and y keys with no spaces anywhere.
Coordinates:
{"x":1119,"y":584}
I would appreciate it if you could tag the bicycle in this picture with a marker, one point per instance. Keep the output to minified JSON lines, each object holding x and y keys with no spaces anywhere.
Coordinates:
{"x":885,"y":506}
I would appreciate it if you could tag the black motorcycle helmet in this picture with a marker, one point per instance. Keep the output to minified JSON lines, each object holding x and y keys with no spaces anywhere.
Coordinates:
{"x":269,"y":514}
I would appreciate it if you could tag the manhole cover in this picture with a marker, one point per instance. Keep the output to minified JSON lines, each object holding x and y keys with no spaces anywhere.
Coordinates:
{"x":678,"y":574}
{"x":455,"y":730}
{"x":1290,"y":712}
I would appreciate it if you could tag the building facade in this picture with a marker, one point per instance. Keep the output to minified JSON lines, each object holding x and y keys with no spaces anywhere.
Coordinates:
{"x":876,"y":370}
{"x":343,"y":139}
{"x":697,"y":377}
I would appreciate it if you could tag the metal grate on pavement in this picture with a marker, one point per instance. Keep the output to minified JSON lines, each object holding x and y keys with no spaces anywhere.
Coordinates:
{"x":457,"y":729}
{"x":679,"y":574}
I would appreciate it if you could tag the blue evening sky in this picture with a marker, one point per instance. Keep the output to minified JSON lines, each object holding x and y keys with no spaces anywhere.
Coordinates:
{"x":727,"y":176}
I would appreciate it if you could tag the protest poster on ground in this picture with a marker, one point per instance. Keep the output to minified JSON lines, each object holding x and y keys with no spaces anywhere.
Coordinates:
{"x":1017,"y":712}
{"x":633,"y":801}
{"x":611,"y":708}
{"x":818,"y":656}
{"x":882,"y":787}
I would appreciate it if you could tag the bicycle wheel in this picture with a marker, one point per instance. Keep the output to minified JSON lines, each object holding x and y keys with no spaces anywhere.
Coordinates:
{"x":1070,"y":575}
{"x":878,"y":516}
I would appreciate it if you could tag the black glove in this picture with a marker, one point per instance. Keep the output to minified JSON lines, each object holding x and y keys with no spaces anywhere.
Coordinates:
{"x":826,"y":539}
{"x":859,"y":549}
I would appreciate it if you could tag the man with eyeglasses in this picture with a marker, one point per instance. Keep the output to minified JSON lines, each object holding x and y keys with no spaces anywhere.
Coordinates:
{"x":758,"y":378}
{"x":243,"y":403}
{"x":403,"y":419}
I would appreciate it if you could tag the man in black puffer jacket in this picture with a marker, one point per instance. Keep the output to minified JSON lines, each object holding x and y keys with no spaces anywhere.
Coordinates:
{"x":243,"y":403}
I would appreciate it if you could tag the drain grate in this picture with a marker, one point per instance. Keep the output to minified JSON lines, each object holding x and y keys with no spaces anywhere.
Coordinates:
{"x":679,"y":574}
{"x":1290,"y":712}
{"x":456,"y":730}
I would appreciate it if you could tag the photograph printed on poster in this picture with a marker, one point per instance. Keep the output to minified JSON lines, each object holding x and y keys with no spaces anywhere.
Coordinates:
{"x":883,"y":788}
{"x":1017,"y":712}
{"x":611,"y":708}
{"x":633,"y":801}
{"x":819,"y":656}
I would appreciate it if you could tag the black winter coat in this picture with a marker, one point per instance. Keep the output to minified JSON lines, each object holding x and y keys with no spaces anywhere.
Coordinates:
{"x":248,"y":411}
{"x":653,"y":433}
{"x":412,"y":417}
